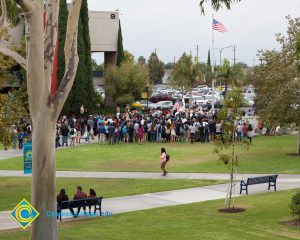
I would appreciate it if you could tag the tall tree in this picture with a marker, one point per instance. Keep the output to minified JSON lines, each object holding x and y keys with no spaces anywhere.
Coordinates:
{"x":44,"y":107}
{"x":120,"y":56}
{"x":126,"y":83}
{"x":88,"y":85}
{"x":185,"y":73}
{"x":141,"y":61}
{"x":156,"y":69}
{"x":208,"y":60}
{"x":277,"y":81}
{"x":128,"y":57}
{"x":62,"y":29}
{"x":208,"y":71}
{"x":82,"y":92}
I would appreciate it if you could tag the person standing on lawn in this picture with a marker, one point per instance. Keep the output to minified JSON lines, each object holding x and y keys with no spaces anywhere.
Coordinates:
{"x":163,"y":161}
{"x":140,"y":134}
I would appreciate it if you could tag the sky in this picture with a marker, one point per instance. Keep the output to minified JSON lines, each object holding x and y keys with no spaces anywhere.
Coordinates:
{"x":172,"y":27}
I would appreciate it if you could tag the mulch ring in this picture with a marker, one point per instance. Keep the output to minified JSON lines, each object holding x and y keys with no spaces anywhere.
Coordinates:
{"x":232,"y":210}
{"x":292,"y":223}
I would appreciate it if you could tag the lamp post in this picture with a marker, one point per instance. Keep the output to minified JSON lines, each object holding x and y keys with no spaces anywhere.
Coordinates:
{"x":147,"y":90}
{"x":221,"y":50}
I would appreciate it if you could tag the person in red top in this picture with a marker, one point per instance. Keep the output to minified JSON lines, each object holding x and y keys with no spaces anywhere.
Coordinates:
{"x":80,"y":195}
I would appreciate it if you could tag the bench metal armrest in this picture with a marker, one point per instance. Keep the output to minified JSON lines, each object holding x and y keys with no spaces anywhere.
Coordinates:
{"x":243,"y":183}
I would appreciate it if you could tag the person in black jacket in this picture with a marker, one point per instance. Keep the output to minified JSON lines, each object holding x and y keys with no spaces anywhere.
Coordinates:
{"x":62,"y":196}
{"x":65,"y":133}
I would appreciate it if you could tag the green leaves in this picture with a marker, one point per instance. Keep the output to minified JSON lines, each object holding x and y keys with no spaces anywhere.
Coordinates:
{"x":217,"y":4}
{"x":295,"y":205}
{"x":298,"y":51}
{"x":126,"y":83}
{"x":156,"y":69}
{"x":185,"y":72}
{"x":277,"y":81}
{"x":231,"y":112}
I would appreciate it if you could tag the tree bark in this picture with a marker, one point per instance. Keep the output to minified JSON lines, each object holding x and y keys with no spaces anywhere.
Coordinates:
{"x":18,"y":58}
{"x":44,"y":178}
{"x":44,"y":107}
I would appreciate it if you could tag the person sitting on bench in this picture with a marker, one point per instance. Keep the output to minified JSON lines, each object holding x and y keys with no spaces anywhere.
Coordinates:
{"x":80,"y":195}
{"x":62,"y":196}
{"x":92,"y":194}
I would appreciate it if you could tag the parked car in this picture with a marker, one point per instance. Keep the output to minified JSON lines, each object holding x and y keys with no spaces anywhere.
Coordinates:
{"x":160,"y":97}
{"x":164,"y":105}
{"x":199,"y":100}
{"x":150,"y":104}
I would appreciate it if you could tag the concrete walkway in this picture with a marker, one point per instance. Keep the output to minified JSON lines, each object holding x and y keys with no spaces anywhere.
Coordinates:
{"x":12,"y":153}
{"x":168,"y":198}
{"x":152,"y":175}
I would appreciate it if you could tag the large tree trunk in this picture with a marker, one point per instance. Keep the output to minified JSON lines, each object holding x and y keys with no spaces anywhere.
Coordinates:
{"x":44,"y":179}
{"x":43,"y":155}
{"x":45,"y":107}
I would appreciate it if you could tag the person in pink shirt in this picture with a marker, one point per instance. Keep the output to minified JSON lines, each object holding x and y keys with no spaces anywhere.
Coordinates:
{"x":163,"y":160}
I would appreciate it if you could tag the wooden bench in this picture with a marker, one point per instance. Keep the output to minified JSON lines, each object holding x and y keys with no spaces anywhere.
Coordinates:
{"x":86,"y":202}
{"x":271,"y":180}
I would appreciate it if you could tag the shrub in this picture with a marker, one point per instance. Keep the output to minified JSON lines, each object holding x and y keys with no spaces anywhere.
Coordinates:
{"x":295,"y":205}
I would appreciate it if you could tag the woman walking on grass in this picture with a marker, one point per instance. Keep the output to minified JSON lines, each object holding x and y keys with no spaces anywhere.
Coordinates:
{"x":163,"y":161}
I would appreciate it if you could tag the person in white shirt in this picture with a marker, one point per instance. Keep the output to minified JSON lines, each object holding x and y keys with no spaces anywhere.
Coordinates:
{"x":192,"y":130}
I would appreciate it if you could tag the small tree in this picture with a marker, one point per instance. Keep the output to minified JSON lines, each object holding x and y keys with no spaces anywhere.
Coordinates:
{"x":225,"y":143}
{"x":11,"y":109}
{"x":295,"y":205}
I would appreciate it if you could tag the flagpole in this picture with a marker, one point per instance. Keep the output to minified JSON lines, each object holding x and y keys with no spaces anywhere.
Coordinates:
{"x":213,"y":66}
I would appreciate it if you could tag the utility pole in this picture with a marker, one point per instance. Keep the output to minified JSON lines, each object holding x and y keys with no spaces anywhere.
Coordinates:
{"x":197,"y":47}
{"x":234,"y":59}
{"x":174,"y":60}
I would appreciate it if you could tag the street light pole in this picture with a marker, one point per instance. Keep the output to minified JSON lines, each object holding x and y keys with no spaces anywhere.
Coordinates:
{"x":222,"y":51}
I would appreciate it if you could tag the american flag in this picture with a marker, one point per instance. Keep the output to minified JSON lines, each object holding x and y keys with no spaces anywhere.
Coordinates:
{"x":219,"y":26}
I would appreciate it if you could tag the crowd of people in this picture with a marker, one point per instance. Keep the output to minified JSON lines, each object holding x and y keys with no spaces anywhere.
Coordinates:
{"x":138,"y":127}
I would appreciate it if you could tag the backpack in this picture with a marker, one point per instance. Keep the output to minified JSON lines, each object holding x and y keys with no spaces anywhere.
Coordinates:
{"x":72,"y":131}
{"x":167,"y":157}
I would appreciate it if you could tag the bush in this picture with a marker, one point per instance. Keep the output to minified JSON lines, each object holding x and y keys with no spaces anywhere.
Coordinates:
{"x":295,"y":205}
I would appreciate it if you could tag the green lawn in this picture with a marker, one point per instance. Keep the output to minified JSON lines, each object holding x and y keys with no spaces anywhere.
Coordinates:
{"x":261,"y":221}
{"x":266,"y":155}
{"x":14,"y":189}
